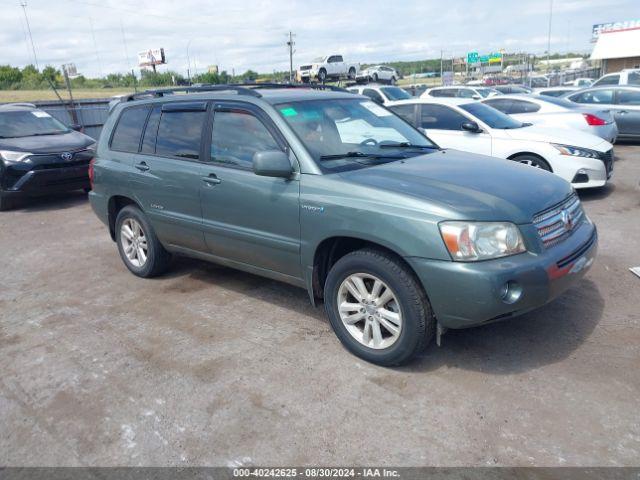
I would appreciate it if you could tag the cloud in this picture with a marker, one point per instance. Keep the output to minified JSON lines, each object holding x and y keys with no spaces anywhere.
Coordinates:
{"x":252,"y":33}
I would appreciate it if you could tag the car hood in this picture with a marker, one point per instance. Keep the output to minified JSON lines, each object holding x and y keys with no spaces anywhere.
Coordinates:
{"x":536,"y":133}
{"x":468,"y":186}
{"x":47,"y":143}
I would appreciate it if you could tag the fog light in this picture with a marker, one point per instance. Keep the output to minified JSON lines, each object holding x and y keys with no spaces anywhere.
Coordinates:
{"x":580,"y":177}
{"x":510,"y":292}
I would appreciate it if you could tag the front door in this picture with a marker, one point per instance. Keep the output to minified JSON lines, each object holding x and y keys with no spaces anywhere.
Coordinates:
{"x":168,"y":174}
{"x":444,"y":126}
{"x":247,"y":218}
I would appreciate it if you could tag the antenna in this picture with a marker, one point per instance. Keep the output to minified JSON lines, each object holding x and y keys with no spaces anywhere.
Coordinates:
{"x":23,"y":4}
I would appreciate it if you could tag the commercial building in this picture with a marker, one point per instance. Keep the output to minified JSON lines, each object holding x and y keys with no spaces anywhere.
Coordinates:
{"x":617,"y":45}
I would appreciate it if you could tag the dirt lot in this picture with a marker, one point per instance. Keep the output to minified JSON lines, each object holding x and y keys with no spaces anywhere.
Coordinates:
{"x":209,"y":366}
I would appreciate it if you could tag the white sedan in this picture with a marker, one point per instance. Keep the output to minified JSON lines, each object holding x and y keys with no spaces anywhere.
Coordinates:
{"x":583,"y":159}
{"x":379,"y":73}
{"x":557,"y":113}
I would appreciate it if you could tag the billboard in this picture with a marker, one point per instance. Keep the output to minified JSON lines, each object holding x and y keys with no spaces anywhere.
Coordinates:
{"x":474,"y":57}
{"x":151,"y":57}
{"x":599,"y":28}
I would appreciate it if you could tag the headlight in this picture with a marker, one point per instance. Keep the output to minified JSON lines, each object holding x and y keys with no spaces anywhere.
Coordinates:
{"x":575,"y":151}
{"x":13,"y":157}
{"x":473,"y":241}
{"x":92,"y":147}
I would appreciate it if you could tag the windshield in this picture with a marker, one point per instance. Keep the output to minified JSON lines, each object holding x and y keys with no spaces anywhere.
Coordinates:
{"x":25,"y":123}
{"x":492,"y":117}
{"x":346,"y":134}
{"x":318,"y":59}
{"x":395,"y":93}
{"x":485,"y":92}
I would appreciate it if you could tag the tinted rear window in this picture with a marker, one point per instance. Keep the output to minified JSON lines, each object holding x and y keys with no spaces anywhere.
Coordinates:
{"x":180,"y":134}
{"x":126,"y":137}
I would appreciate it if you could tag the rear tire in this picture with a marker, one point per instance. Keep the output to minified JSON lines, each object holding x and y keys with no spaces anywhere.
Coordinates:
{"x":533,"y":161}
{"x":405,"y":322}
{"x":6,"y":203}
{"x":393,"y":81}
{"x":139,"y":247}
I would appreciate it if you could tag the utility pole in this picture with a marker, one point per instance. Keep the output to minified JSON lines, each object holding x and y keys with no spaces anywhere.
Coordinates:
{"x":23,"y":4}
{"x":549,"y":35}
{"x":441,"y":79}
{"x":290,"y":44}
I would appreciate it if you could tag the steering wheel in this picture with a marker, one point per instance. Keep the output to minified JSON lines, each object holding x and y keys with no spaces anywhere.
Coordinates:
{"x":369,"y":141}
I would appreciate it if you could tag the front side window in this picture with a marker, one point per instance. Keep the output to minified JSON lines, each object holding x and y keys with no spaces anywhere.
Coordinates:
{"x":443,"y":92}
{"x":180,"y":134}
{"x":502,"y":104}
{"x":236,"y":136}
{"x":126,"y":137}
{"x":439,"y":117}
{"x":608,"y":80}
{"x":25,"y":123}
{"x":408,"y":112}
{"x":629,"y":97}
{"x":594,"y":96}
{"x":346,"y":134}
{"x":633,"y":78}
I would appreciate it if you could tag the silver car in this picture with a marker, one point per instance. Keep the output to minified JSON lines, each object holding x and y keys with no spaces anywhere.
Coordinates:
{"x":623,"y":102}
{"x":557,"y":113}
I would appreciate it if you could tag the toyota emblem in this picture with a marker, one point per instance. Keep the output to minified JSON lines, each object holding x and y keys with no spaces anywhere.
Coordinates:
{"x":66,"y":156}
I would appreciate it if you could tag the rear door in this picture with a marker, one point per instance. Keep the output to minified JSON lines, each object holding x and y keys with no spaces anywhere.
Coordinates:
{"x":250,"y":219}
{"x":168,"y":174}
{"x":627,"y":112}
{"x":444,"y":126}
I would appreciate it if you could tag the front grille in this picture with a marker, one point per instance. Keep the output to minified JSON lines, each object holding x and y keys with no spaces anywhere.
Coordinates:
{"x":305,"y":67}
{"x":607,"y":158}
{"x":558,"y":222}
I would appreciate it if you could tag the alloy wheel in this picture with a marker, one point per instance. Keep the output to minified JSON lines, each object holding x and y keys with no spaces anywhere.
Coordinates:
{"x":369,"y":310}
{"x":134,"y":242}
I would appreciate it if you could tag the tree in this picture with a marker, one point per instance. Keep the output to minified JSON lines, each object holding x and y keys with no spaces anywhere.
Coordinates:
{"x":10,"y":76}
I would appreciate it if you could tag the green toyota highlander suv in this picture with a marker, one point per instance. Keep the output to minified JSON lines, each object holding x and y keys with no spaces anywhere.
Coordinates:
{"x":331,"y":192}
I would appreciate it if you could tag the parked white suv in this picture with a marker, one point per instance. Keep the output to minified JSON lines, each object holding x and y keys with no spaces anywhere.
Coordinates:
{"x":580,"y":158}
{"x":329,"y":67}
{"x":379,"y":73}
{"x":629,"y":76}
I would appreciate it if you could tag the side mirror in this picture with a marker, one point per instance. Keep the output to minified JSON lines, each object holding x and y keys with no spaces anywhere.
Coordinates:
{"x":76,"y":127}
{"x":471,"y":126}
{"x":272,"y":163}
{"x":476,"y":97}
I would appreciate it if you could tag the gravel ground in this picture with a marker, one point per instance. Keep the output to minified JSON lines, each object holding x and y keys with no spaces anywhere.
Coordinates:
{"x":210,"y":366}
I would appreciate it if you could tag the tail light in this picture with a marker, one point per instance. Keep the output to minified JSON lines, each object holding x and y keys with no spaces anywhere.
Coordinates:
{"x":593,"y":120}
{"x":91,"y":172}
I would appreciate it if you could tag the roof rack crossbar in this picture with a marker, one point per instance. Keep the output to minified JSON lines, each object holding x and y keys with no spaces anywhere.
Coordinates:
{"x":161,"y":92}
{"x":241,"y":89}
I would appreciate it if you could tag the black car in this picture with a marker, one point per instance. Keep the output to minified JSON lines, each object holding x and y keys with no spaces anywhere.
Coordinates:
{"x":40,"y":155}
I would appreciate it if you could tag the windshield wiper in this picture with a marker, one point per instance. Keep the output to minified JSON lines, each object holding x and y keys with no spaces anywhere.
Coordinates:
{"x":47,"y":133}
{"x":359,"y":155}
{"x":406,"y":145}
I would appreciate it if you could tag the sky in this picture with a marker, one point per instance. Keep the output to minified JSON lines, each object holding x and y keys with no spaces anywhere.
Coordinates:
{"x":104,"y":36}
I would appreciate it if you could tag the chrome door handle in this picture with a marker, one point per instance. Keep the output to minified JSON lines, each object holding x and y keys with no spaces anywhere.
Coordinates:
{"x":211,"y":180}
{"x":142,"y":166}
{"x":623,"y":112}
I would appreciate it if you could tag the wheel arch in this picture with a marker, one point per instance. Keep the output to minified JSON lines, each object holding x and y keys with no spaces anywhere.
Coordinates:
{"x":117,"y":203}
{"x":330,"y":250}
{"x":513,"y":156}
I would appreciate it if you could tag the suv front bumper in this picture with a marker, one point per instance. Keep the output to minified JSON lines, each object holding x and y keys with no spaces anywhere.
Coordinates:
{"x":54,"y":180}
{"x":469,"y":294}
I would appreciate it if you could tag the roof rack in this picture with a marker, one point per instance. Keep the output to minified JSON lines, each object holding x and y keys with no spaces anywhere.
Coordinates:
{"x":18,"y":104}
{"x":240,"y":89}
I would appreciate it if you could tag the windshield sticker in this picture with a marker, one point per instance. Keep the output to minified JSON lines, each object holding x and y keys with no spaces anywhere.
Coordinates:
{"x":41,"y":114}
{"x":288,"y":112}
{"x":376,"y":109}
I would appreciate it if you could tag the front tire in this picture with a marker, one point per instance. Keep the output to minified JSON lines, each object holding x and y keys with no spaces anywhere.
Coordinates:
{"x":352,"y":73}
{"x":375,"y":78}
{"x":377,"y":307}
{"x":533,"y":161}
{"x":322,"y":75}
{"x":139,"y":247}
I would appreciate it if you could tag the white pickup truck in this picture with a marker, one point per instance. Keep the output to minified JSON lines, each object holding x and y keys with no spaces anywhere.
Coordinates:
{"x":329,"y":67}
